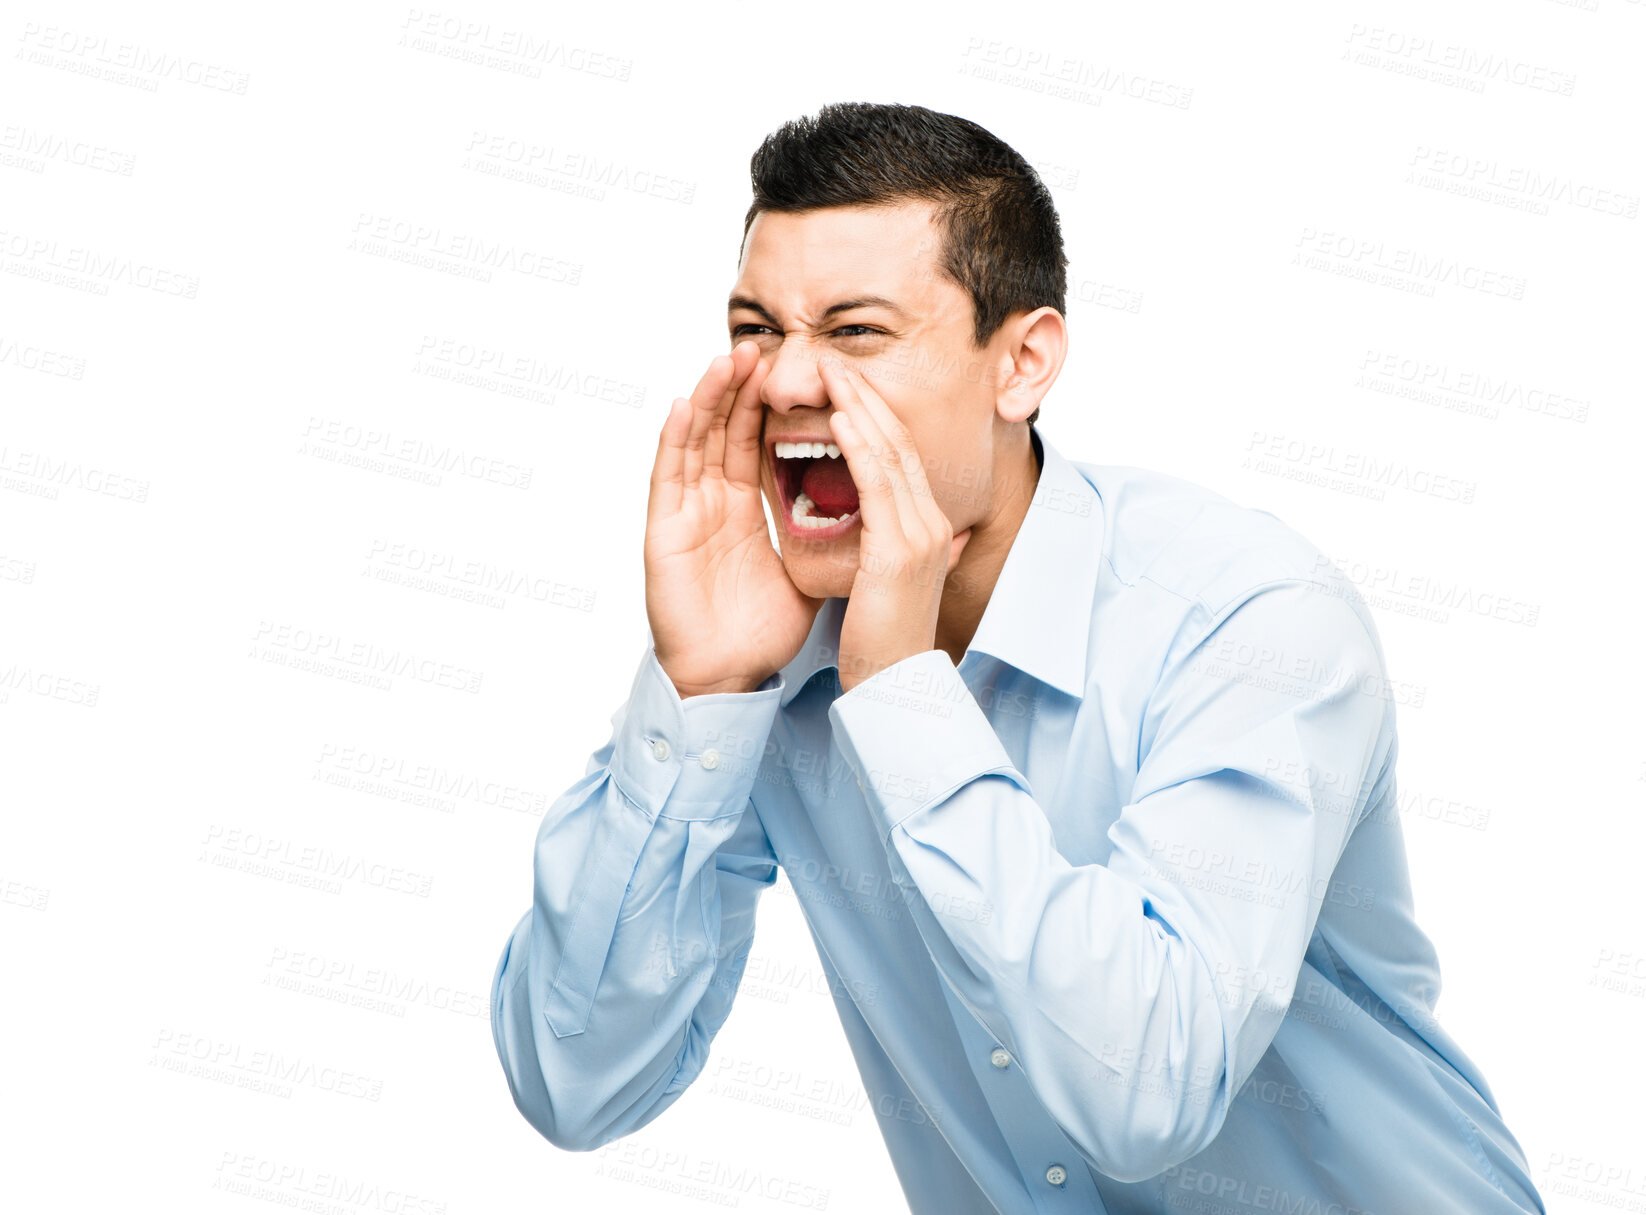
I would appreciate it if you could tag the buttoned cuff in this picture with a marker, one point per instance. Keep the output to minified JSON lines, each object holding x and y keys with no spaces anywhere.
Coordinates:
{"x":914,"y":734}
{"x":694,"y":758}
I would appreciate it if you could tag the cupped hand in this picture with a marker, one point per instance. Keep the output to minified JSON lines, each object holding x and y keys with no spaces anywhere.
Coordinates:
{"x":724,"y":613}
{"x":907,"y":548}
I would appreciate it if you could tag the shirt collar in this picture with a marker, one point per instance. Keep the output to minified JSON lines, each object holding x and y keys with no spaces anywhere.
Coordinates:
{"x":1039,"y":615}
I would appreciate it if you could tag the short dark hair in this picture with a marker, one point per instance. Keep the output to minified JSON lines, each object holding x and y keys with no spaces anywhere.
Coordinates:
{"x":1002,"y":242}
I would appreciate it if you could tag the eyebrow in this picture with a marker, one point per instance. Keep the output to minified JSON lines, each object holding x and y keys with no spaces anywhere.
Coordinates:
{"x":862,"y":301}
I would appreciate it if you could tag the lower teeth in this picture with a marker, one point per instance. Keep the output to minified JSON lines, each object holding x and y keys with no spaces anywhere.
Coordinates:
{"x":800,"y":512}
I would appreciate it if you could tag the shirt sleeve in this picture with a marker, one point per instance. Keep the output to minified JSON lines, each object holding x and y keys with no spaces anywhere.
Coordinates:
{"x":1138,"y":994}
{"x":646,"y":874}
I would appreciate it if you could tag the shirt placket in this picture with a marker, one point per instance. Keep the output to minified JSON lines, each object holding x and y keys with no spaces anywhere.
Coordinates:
{"x":1054,"y":1171}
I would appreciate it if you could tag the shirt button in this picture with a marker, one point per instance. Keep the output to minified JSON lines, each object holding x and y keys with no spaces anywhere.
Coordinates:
{"x":710,"y":759}
{"x":1057,"y":1174}
{"x":1000,"y":1057}
{"x":660,"y":750}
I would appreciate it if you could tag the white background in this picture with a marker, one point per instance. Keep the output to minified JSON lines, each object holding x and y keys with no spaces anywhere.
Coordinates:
{"x":225,"y":319}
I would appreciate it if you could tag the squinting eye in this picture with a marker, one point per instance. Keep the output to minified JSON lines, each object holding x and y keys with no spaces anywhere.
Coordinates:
{"x":751,"y":330}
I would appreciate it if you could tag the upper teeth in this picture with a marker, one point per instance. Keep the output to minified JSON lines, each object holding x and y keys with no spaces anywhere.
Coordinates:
{"x":795,"y":451}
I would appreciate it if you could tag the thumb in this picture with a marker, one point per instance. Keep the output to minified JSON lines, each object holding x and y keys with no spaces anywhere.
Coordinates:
{"x":956,"y":546}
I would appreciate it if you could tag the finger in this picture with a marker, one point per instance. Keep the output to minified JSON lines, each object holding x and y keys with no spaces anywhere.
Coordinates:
{"x":669,"y":468}
{"x":879,"y":464}
{"x":884,"y":516}
{"x":897,"y":434}
{"x":926,"y":521}
{"x":712,"y":395}
{"x":710,"y":390}
{"x":714,"y":449}
{"x":742,"y":458}
{"x":874,"y":492}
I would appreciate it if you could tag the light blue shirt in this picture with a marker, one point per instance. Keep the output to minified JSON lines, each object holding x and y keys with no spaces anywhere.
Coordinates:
{"x":1116,"y":914}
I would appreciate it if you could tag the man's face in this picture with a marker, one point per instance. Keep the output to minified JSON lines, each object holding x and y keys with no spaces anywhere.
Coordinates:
{"x":914,"y":347}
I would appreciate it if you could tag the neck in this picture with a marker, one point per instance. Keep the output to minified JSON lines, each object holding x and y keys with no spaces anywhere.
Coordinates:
{"x":969,"y":585}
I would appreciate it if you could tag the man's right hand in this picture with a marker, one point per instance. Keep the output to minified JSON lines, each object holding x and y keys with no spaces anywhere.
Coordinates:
{"x":724,"y":613}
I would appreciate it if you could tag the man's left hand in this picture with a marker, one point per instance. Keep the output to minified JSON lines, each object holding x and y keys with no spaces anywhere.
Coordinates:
{"x":906,"y":545}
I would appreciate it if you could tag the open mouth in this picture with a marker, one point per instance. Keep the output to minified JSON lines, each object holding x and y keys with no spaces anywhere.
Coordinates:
{"x":815,"y":488}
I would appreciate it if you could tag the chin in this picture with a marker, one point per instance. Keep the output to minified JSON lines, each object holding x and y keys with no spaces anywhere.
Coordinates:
{"x":818,"y":576}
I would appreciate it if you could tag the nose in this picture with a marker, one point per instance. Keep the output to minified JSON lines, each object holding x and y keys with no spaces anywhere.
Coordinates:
{"x":794,"y":382}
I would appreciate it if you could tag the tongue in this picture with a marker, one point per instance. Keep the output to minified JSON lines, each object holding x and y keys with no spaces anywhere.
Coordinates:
{"x":828,"y":482}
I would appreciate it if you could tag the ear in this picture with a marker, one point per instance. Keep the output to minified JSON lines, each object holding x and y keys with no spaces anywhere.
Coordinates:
{"x":1035,"y":346}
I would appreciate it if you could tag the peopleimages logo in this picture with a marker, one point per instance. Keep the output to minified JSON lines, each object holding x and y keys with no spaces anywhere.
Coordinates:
{"x":1244,"y":1192}
{"x":718,"y":1182}
{"x":286,"y":1184}
{"x":88,"y":269}
{"x":1377,"y":261}
{"x":127,"y":63}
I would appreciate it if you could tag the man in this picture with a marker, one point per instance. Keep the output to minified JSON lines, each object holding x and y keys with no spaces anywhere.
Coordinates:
{"x":1083,"y":775}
